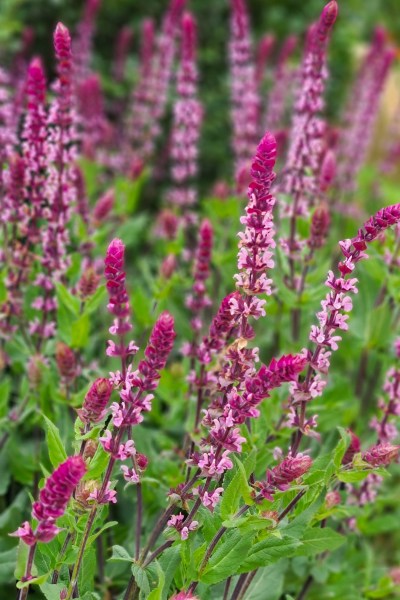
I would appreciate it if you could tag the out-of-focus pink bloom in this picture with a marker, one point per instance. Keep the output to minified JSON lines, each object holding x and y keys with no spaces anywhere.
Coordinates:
{"x":381,"y":455}
{"x":245,"y":101}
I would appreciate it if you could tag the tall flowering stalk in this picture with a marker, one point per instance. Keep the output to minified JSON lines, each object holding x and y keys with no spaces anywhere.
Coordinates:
{"x":122,"y":47}
{"x":333,"y":318}
{"x":245,"y":101}
{"x":305,"y":149}
{"x":34,"y":145}
{"x":384,"y":425}
{"x":186,"y":125}
{"x":60,"y":187}
{"x":198,"y":300}
{"x":84,"y":40}
{"x":52,"y":503}
{"x":141,"y":123}
{"x":134,"y":386}
{"x":362,"y":109}
{"x":150,"y":94}
{"x":264,"y":49}
{"x":277,"y":98}
{"x":96,"y":131}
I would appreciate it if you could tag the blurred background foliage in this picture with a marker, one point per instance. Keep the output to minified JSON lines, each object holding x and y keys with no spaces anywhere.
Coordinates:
{"x":280,"y":17}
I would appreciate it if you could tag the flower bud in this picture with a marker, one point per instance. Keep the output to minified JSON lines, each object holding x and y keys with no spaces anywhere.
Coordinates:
{"x":88,"y":283}
{"x":66,"y":362}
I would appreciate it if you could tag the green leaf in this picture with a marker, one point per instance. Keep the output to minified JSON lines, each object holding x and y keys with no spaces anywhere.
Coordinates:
{"x":36,"y":580}
{"x":80,"y":332}
{"x":157,"y":593}
{"x":93,"y":303}
{"x":92,"y":538}
{"x":141,"y":578}
{"x":269,"y":551}
{"x":65,"y":297}
{"x":98,"y":463}
{"x":238,"y":487}
{"x":317,"y":540}
{"x":22,"y":557}
{"x":88,"y":571}
{"x":52,"y":591}
{"x":119,"y":554}
{"x":169,"y":561}
{"x":353,"y":476}
{"x":341,"y":448}
{"x":227,"y":557}
{"x":55,"y":446}
{"x":269,"y":578}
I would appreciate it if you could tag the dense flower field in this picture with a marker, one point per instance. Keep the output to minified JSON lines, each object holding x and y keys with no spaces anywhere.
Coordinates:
{"x":199,"y":393}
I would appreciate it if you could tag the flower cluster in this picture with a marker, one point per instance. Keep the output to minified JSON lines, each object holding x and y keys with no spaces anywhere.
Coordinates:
{"x":53,"y":500}
{"x":177,"y":522}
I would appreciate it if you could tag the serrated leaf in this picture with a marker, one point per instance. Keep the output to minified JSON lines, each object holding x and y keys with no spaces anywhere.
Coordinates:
{"x":269,"y":551}
{"x":55,"y":445}
{"x":141,"y":578}
{"x":228,"y":556}
{"x":169,"y":561}
{"x":317,"y":540}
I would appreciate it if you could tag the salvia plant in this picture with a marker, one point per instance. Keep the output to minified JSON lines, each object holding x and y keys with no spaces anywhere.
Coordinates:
{"x":199,"y":396}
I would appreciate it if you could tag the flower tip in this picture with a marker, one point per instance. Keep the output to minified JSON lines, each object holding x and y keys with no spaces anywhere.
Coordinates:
{"x":330,"y":13}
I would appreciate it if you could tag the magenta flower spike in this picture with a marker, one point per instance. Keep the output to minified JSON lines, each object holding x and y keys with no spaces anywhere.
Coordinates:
{"x":34,"y":142}
{"x":335,"y":306}
{"x":53,"y":500}
{"x":95,"y":128}
{"x":282,"y":81}
{"x":84,"y":40}
{"x":142,"y":129}
{"x":118,"y":300}
{"x":198,"y":299}
{"x":188,"y":114}
{"x":265,"y":47}
{"x":362,"y":109}
{"x":122,"y":47}
{"x":59,"y":189}
{"x":256,"y":242}
{"x":245,"y":101}
{"x":305,"y":149}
